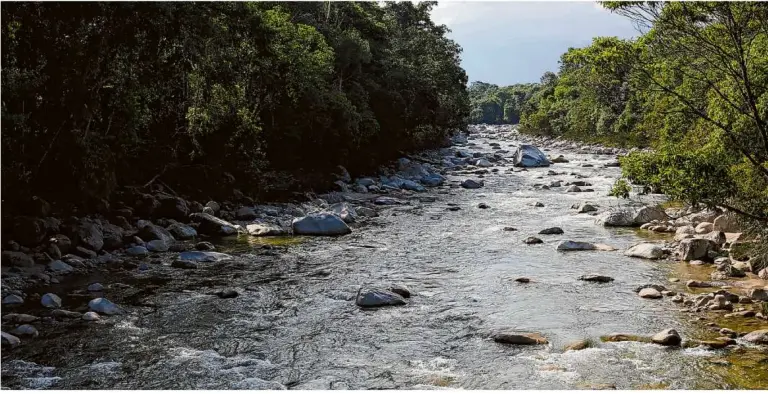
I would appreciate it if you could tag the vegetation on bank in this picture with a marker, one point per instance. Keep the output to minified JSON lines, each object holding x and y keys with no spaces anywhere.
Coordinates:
{"x":694,"y":87}
{"x":97,"y":95}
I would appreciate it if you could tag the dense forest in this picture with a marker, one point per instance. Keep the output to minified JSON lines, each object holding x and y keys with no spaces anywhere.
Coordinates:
{"x":196,"y":95}
{"x":693,"y":87}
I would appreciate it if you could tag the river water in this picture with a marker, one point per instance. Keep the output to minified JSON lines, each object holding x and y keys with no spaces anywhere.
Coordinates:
{"x":295,"y":324}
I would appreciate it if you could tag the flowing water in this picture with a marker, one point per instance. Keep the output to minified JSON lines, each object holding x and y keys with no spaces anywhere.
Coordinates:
{"x":295,"y":323}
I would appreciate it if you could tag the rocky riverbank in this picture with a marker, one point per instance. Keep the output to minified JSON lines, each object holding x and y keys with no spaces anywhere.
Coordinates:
{"x":108,"y":268}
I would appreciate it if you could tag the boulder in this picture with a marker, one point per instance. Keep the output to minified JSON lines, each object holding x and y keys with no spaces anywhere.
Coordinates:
{"x":88,"y":234}
{"x":432,"y":180}
{"x":401,"y":290}
{"x":150,"y":232}
{"x":62,"y":242}
{"x":105,"y":306}
{"x":172,"y":207}
{"x":532,"y":241}
{"x":157,"y":245}
{"x":91,"y":316}
{"x":645,"y":251}
{"x":246,"y":213}
{"x":569,"y":245}
{"x":211,"y":225}
{"x":616,"y":218}
{"x":573,"y":189}
{"x":204,"y":256}
{"x":182,"y":231}
{"x":759,"y":336}
{"x":551,"y":231}
{"x":648,"y":214}
{"x":112,"y":236}
{"x":378,"y":298}
{"x":529,"y":156}
{"x":649,"y":292}
{"x":726,"y":223}
{"x":320,"y":224}
{"x":17,"y":259}
{"x":137,"y":251}
{"x":695,"y":248}
{"x":472,"y":184}
{"x":668,"y":337}
{"x":60,"y":267}
{"x":585,"y":207}
{"x":703,"y":228}
{"x":758,"y":294}
{"x":265,"y":229}
{"x":9,"y":340}
{"x":51,"y":301}
{"x":518,"y":338}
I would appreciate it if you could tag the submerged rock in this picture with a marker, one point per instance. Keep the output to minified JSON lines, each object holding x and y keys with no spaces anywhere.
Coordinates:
{"x":569,"y":245}
{"x":320,"y":224}
{"x":668,"y":337}
{"x":519,"y":338}
{"x":472,"y":184}
{"x":105,"y":306}
{"x":377,"y":298}
{"x":204,"y":256}
{"x":596,"y":278}
{"x":401,"y":289}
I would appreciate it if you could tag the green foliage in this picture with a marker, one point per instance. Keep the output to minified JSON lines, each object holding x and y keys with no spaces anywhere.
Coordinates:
{"x":620,"y":189}
{"x":101,"y":94}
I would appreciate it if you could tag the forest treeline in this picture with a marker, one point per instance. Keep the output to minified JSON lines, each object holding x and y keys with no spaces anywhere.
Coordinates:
{"x":693,"y":86}
{"x":96,"y":95}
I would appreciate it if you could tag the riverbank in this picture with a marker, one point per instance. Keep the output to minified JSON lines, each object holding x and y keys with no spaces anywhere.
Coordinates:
{"x":295,"y":296}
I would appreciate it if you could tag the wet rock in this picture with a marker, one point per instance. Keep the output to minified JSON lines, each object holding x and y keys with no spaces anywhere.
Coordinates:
{"x":596,"y":278}
{"x":211,"y":225}
{"x":401,"y":290}
{"x":157,"y":245}
{"x":695,"y":248}
{"x":205,"y":245}
{"x":137,"y":251}
{"x":13,"y":299}
{"x":578,"y":345}
{"x":19,"y":318}
{"x":246,"y":213}
{"x":323,"y":224}
{"x":538,"y":205}
{"x":616,"y":218}
{"x":60,"y":267}
{"x":172,"y":207}
{"x":53,"y":251}
{"x":585,"y":208}
{"x":573,"y":189}
{"x":698,"y":283}
{"x":87,"y":234}
{"x":264,"y":229}
{"x":656,"y":287}
{"x":472,"y":184}
{"x":182,"y":231}
{"x":668,"y":337}
{"x":508,"y":228}
{"x":518,"y":338}
{"x":532,"y":241}
{"x":758,"y":295}
{"x":367,"y":212}
{"x":432,"y":180}
{"x":522,"y":280}
{"x":9,"y":340}
{"x":227,"y":293}
{"x":483,"y":163}
{"x":105,"y":306}
{"x":204,"y":256}
{"x":552,"y":231}
{"x":91,"y":316}
{"x":62,"y":314}
{"x":559,"y":159}
{"x":758,"y":336}
{"x":645,"y":251}
{"x":378,"y":298}
{"x":529,"y":156}
{"x":569,"y":245}
{"x":649,"y":293}
{"x":51,"y":301}
{"x":152,"y":232}
{"x":718,"y":343}
{"x":95,"y":287}
{"x":25,"y":330}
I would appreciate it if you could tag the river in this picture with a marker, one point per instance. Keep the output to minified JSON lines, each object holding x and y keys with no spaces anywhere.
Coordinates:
{"x":295,"y":323}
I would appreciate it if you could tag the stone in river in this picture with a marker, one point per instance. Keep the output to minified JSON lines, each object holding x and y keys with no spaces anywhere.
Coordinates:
{"x":377,"y":298}
{"x":668,"y":337}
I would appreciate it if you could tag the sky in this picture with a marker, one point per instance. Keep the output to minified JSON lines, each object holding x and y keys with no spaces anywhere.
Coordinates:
{"x":516,"y":42}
